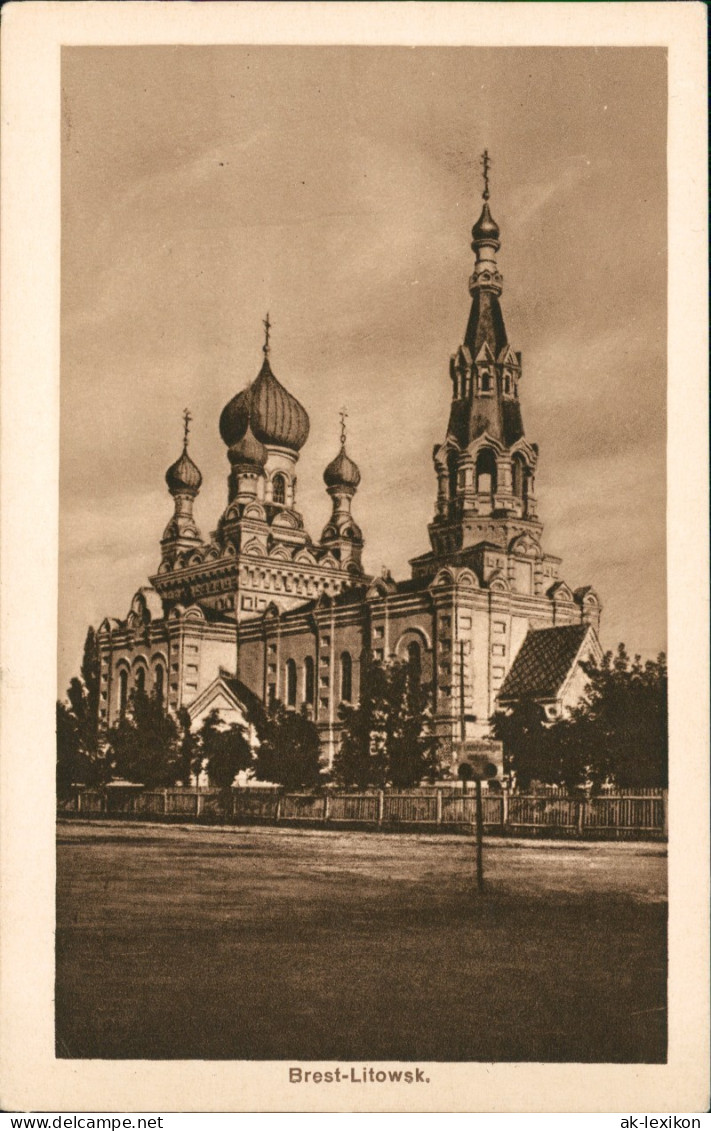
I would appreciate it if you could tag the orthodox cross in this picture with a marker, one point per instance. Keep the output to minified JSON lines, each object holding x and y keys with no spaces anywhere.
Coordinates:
{"x":343,"y":415}
{"x":186,"y":418}
{"x":486,"y":165}
{"x":267,"y":327}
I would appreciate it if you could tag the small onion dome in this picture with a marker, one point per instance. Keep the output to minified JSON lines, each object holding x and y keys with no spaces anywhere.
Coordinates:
{"x":342,"y":471}
{"x":275,"y":416}
{"x":183,"y":476}
{"x":248,"y":452}
{"x":486,"y":227}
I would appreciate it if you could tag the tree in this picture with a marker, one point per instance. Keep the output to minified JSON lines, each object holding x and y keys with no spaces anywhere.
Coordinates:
{"x":72,"y":763}
{"x":362,"y":760}
{"x":224,"y":749}
{"x":622,"y":725}
{"x":189,"y":756}
{"x":522,"y":731}
{"x":144,"y":746}
{"x":386,"y":739}
{"x":289,"y":749}
{"x":618,"y":732}
{"x":79,"y":755}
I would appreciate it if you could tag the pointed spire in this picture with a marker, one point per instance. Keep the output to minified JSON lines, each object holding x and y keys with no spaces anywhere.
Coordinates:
{"x":486,"y":230}
{"x":485,"y":242}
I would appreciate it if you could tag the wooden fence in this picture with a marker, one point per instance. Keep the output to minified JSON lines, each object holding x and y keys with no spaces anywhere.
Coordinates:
{"x":626,"y":814}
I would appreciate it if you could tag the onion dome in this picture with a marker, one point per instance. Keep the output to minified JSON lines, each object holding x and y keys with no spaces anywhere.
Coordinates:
{"x":486,"y":229}
{"x":248,"y":452}
{"x":275,"y":417}
{"x":183,"y":477}
{"x":342,"y":471}
{"x":234,"y":418}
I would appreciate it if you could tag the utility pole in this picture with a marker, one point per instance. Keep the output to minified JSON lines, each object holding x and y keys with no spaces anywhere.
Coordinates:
{"x":237,"y":626}
{"x":479,"y":836}
{"x":462,"y":720}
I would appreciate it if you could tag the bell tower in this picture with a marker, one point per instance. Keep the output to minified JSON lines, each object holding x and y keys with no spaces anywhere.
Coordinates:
{"x":485,"y":467}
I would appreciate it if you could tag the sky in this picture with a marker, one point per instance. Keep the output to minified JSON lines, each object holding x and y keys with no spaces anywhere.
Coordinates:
{"x":336,"y":188}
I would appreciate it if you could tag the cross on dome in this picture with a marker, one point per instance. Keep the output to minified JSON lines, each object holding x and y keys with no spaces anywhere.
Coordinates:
{"x":343,"y":414}
{"x":486,"y":165}
{"x":267,"y":327}
{"x":187,"y":417}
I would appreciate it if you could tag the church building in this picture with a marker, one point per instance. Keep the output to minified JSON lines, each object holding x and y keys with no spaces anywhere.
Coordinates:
{"x":261,"y":609}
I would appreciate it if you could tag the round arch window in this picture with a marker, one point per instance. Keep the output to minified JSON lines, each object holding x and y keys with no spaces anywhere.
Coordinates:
{"x":279,"y":489}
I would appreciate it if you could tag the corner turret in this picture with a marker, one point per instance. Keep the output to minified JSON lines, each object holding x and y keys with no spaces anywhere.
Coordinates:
{"x":341,"y":535}
{"x":184,"y":480}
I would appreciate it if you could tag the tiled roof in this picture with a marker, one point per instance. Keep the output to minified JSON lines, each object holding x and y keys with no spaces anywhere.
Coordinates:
{"x":544,"y":662}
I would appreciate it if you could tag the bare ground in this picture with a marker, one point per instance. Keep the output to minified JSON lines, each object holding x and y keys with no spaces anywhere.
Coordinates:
{"x":185,"y":942}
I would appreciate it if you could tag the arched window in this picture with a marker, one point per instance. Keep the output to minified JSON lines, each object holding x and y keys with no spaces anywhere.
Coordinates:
{"x":141,"y":679}
{"x":452,"y":469}
{"x":159,"y":683}
{"x":346,"y":677}
{"x":414,"y":663}
{"x":486,"y":382}
{"x":123,"y":692}
{"x":279,"y":489}
{"x":291,"y":683}
{"x":520,"y":478}
{"x":486,"y":472}
{"x":309,"y":685}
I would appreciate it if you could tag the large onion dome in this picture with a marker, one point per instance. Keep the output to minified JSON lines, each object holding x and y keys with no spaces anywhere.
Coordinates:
{"x":342,"y":471}
{"x":183,"y":476}
{"x":486,"y":229}
{"x":248,"y":452}
{"x":275,"y":417}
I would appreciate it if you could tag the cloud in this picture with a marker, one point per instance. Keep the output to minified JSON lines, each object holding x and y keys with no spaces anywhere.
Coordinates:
{"x":530,"y":200}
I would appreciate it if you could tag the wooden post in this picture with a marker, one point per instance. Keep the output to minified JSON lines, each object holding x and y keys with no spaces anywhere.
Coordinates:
{"x":581,"y":817}
{"x":479,"y":838}
{"x":505,"y":807}
{"x":78,"y":801}
{"x":325,"y":807}
{"x":439,"y":806}
{"x":381,"y":806}
{"x":277,"y":812}
{"x":165,"y":802}
{"x":198,"y":804}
